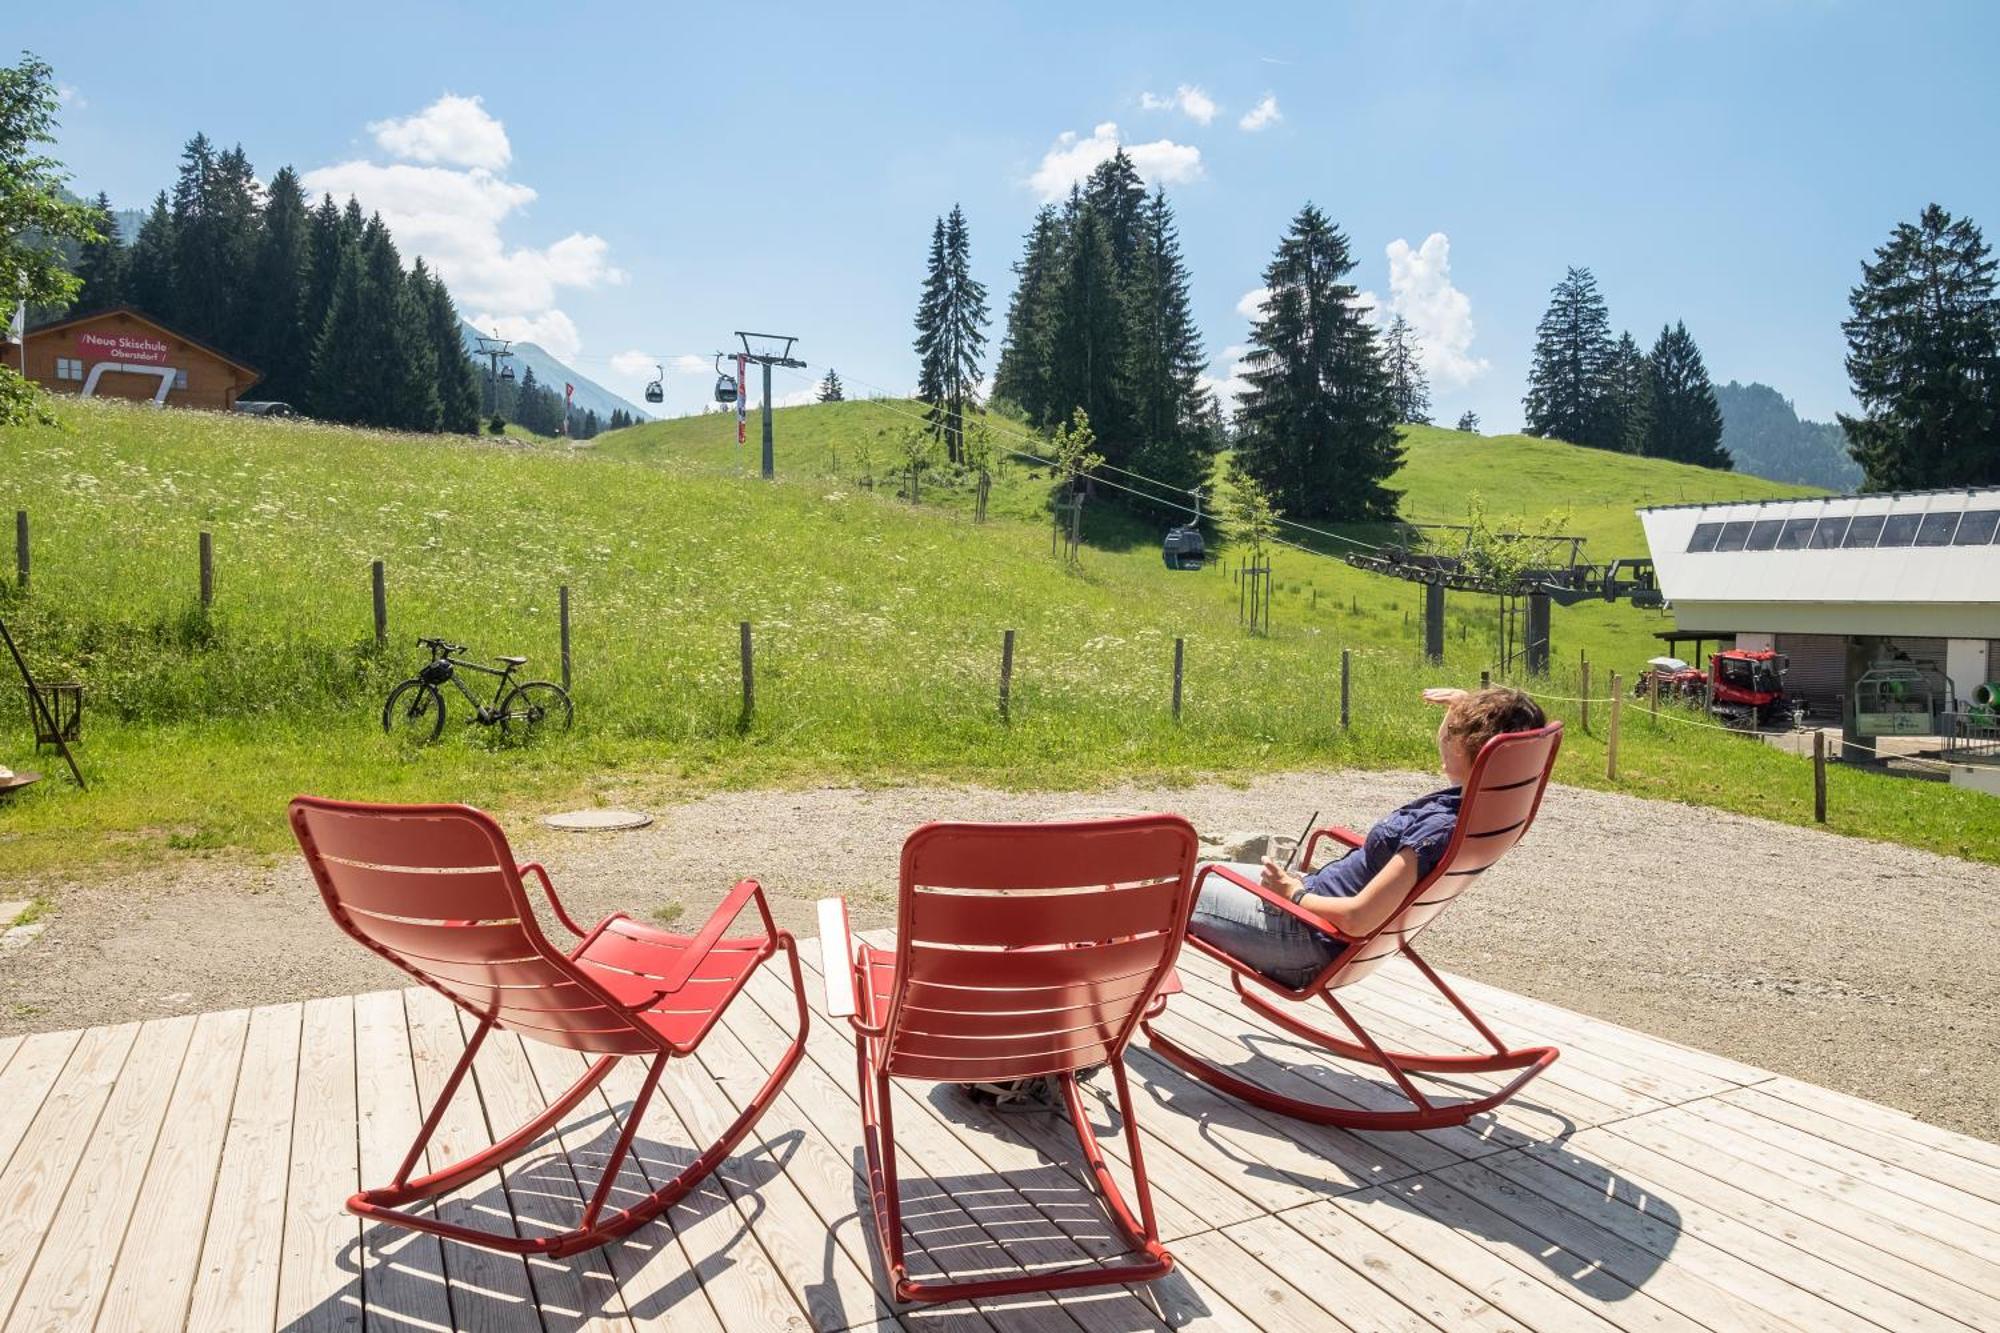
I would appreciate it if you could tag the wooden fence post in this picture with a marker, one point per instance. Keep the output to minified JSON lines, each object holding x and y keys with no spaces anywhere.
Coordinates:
{"x":1584,"y":675}
{"x":1006,"y":673}
{"x":381,"y":605}
{"x":1653,"y":695}
{"x":1345,"y":664}
{"x":749,"y":673}
{"x":1819,"y":776}
{"x":21,"y":548}
{"x":207,"y":569}
{"x":1611,"y":741}
{"x":1485,"y":679}
{"x":1180,"y":646}
{"x":562,"y":617}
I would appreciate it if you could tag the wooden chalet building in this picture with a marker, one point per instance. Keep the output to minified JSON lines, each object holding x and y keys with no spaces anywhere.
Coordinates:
{"x":123,"y":353}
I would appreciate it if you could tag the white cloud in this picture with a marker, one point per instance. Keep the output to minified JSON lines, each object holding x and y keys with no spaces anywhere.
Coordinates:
{"x":456,"y":131}
{"x":633,"y":365}
{"x":1251,"y":304}
{"x":1162,"y":162}
{"x":1421,"y":291}
{"x":687,"y":363}
{"x":1231,"y":385}
{"x":69,"y":95}
{"x":452,"y":216}
{"x":1264,"y":114}
{"x":1188,"y":99}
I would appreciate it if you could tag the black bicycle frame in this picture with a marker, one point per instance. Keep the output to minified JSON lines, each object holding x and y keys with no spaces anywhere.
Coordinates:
{"x":485,"y":712}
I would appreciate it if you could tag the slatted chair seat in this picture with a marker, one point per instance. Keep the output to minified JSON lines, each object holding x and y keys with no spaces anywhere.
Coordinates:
{"x":1022,"y":950}
{"x":1502,"y":794}
{"x":435,"y":890}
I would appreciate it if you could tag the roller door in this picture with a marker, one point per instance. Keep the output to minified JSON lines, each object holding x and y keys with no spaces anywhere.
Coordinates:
{"x":1818,"y":670}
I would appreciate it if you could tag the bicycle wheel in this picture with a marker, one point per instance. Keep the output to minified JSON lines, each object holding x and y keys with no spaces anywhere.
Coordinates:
{"x":533,"y":708}
{"x":415,"y":710}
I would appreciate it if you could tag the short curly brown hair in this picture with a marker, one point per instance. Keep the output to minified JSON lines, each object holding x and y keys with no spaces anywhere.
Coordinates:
{"x":1477,"y":716}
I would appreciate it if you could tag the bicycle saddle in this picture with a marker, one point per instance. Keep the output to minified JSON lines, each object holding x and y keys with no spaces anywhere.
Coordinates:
{"x":512,"y":661}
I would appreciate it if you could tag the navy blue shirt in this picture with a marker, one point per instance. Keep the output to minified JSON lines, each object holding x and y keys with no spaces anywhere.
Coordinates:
{"x":1424,"y":826}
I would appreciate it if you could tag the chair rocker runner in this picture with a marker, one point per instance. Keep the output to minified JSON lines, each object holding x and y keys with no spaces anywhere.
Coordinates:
{"x":1022,"y":950}
{"x":1501,"y":796}
{"x":435,"y":890}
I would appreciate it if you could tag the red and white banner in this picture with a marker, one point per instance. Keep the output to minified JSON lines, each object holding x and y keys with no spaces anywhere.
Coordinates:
{"x":131,"y":348}
{"x":742,"y":399}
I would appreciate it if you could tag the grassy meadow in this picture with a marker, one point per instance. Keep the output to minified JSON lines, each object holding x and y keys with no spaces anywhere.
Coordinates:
{"x":877,"y":623}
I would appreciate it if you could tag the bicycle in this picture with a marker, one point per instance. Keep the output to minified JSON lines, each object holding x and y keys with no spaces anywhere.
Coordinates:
{"x":531,"y":707}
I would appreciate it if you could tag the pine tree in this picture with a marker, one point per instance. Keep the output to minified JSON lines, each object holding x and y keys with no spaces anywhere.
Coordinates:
{"x":150,"y":279}
{"x":348,"y":366}
{"x":280,"y":342}
{"x":1628,"y":401}
{"x":1686,"y":422}
{"x":1569,"y":381}
{"x":102,"y":264}
{"x":1409,"y":388}
{"x":458,"y":392}
{"x":930,"y":341}
{"x":951,"y":333}
{"x":1171,"y":405}
{"x":237,"y":216}
{"x":830,"y":390}
{"x":1317,"y":425}
{"x":326,"y":243}
{"x":1089,"y":344}
{"x":409,"y":390}
{"x":1117,"y":194}
{"x":1468,"y":422}
{"x":1026,"y":373}
{"x":1923,"y":355}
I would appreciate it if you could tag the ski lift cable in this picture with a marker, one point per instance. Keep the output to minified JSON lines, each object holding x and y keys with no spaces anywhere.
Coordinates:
{"x":1155,"y":481}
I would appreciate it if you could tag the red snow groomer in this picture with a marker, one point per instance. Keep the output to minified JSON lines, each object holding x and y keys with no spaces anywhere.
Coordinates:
{"x":1746,"y":688}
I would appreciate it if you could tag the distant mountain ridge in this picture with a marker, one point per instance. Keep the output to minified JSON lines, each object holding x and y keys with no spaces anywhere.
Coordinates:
{"x":1767,"y":438}
{"x":590,"y":395}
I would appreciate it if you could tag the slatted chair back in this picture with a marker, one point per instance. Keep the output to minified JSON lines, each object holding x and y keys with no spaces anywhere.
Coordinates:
{"x":1501,"y":796}
{"x":435,"y":890}
{"x":1027,"y":949}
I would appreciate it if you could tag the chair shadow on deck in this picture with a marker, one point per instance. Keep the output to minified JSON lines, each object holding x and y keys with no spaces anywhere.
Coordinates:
{"x":1584,"y":1239}
{"x":409,"y":1279}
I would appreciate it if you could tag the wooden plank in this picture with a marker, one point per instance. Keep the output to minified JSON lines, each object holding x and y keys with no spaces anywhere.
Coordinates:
{"x":1845,"y":1217}
{"x":1803,"y":1288}
{"x":154,"y":1276}
{"x":490,"y":1291}
{"x":540,"y":1188}
{"x":36,"y":1064}
{"x":1613,"y":1268}
{"x":37,"y":1178}
{"x":236,"y":1280}
{"x":1267,"y":1300}
{"x":1884,"y":1119}
{"x":1344,"y":1292}
{"x":1935,"y":1162}
{"x":316,"y":1289}
{"x":402,"y":1271}
{"x":65,"y":1287}
{"x":1377,"y":1259}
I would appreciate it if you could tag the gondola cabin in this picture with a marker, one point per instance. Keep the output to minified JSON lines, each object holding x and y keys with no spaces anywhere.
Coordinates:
{"x":1184,"y":548}
{"x":725,"y":389}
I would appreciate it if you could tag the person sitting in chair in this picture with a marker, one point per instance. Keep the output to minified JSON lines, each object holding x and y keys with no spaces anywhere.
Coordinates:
{"x":1359,"y":892}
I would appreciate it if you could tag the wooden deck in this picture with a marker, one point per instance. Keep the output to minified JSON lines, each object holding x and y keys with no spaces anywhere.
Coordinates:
{"x":188,"y":1173}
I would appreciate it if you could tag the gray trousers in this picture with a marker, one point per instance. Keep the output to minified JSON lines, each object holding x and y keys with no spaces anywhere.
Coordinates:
{"x":1273,"y":942}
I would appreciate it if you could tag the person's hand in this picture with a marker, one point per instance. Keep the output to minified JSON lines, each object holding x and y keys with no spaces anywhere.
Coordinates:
{"x":1281,"y":881}
{"x":1443,"y":695}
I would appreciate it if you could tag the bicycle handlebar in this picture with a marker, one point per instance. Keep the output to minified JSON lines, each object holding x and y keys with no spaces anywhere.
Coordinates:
{"x":441,"y":645}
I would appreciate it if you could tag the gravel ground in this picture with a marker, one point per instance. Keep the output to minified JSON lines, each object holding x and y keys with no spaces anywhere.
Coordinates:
{"x":1861,"y":966}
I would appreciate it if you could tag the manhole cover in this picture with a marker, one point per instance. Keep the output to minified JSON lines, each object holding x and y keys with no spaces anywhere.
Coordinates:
{"x":597,"y":821}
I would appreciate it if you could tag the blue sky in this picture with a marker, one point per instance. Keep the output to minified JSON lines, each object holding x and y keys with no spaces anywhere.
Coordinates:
{"x":634,"y":182}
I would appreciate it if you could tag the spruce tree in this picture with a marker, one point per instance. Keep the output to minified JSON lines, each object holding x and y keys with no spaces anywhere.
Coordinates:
{"x":348,"y":365}
{"x":102,"y":263}
{"x":237,"y":223}
{"x":409,"y":391}
{"x":830,"y":390}
{"x":280,"y":342}
{"x":1409,"y":388}
{"x":1171,"y":407}
{"x":1686,"y":422}
{"x":951,"y":333}
{"x":1569,"y":381}
{"x":1118,"y":195}
{"x":1317,"y":427}
{"x":326,"y":242}
{"x":201,"y":289}
{"x":150,"y":279}
{"x":1923,"y":355}
{"x":930,"y":341}
{"x":1629,"y":398}
{"x":1468,"y":422}
{"x":1026,"y":373}
{"x":1090,"y":334}
{"x":458,"y":392}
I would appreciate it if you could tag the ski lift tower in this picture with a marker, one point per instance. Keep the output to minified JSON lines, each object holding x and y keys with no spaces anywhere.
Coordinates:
{"x":495,"y":349}
{"x":772,"y":354}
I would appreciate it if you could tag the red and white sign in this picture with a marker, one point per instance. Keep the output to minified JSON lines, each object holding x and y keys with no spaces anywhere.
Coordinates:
{"x":131,"y":348}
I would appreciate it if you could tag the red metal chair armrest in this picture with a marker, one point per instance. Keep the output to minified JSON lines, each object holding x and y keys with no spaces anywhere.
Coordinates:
{"x":569,"y":922}
{"x":746,"y":891}
{"x":1277,"y":900}
{"x":1338,"y":833}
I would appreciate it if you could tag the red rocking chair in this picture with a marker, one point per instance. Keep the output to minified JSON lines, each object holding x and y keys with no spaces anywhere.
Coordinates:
{"x":1502,"y":795}
{"x":1021,"y":950}
{"x":434,"y":889}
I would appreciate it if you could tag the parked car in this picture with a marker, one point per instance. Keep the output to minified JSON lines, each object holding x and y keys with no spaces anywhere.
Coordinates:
{"x":267,"y":409}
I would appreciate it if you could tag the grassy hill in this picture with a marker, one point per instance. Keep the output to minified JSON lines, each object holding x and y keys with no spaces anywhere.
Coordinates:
{"x":877,"y":623}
